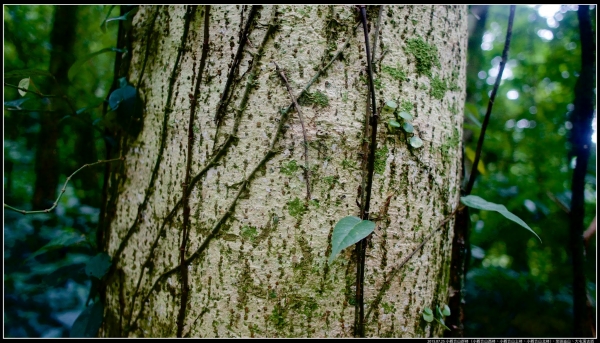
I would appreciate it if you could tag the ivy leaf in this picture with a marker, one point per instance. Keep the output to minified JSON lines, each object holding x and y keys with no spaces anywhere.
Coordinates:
{"x":348,"y":231}
{"x":482,"y":204}
{"x":446,"y":310}
{"x":405,"y":115}
{"x":416,"y":142}
{"x":390,"y":106}
{"x":89,"y":321}
{"x":393,"y":123}
{"x":407,"y":127}
{"x":428,"y":315}
{"x":25,"y":85}
{"x":98,"y":265}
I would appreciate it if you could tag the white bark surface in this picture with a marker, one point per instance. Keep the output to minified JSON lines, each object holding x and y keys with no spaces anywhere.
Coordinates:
{"x":265,"y":272}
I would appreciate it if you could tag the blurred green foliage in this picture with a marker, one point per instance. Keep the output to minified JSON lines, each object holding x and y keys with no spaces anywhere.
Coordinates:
{"x":516,"y":286}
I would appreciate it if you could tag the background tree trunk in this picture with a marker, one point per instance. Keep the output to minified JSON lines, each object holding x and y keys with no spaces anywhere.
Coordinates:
{"x":231,"y":193}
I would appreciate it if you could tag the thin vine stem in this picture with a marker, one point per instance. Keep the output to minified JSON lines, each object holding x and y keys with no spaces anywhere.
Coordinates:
{"x":64,"y":188}
{"x":488,"y":113}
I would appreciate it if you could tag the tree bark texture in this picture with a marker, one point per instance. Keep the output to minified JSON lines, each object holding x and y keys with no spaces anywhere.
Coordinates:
{"x":211,"y":203}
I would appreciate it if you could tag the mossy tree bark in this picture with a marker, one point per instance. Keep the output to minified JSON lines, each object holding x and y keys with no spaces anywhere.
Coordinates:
{"x":217,"y":172}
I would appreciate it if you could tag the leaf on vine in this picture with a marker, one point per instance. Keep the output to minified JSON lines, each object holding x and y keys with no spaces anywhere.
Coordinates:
{"x":98,"y":265}
{"x":416,"y":142}
{"x":15,"y":105}
{"x":446,"y":310}
{"x":24,"y":83}
{"x":427,"y":315}
{"x":482,"y":204}
{"x":407,"y":127}
{"x":66,"y":239}
{"x":348,"y":231}
{"x":89,"y":321}
{"x":394,"y":123}
{"x":405,"y":115}
{"x":390,"y":106}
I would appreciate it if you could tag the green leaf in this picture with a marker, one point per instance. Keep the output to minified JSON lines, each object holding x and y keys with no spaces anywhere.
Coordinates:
{"x":482,"y":204}
{"x":390,"y":106}
{"x":89,"y":321}
{"x":348,"y":231}
{"x":405,"y":115}
{"x":75,"y":67}
{"x":25,"y":73}
{"x":393,"y":123}
{"x":438,"y":312}
{"x":64,"y":240}
{"x":407,"y":127}
{"x":125,"y":17}
{"x":98,"y":265}
{"x":120,"y":95}
{"x":25,"y":85}
{"x":446,"y":310}
{"x":15,"y":104}
{"x":428,"y":315}
{"x":416,"y":142}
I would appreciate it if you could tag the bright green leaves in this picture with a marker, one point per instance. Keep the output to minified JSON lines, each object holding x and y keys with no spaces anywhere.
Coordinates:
{"x":348,"y":231}
{"x":89,"y":321}
{"x":98,"y":265}
{"x":402,"y":120}
{"x":439,"y":315}
{"x":482,"y":204}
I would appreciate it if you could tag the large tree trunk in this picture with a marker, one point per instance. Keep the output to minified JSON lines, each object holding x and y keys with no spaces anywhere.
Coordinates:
{"x":230,"y":193}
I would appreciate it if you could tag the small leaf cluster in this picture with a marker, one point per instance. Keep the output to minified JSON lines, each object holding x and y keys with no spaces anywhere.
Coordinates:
{"x":439,"y":315}
{"x":402,"y":120}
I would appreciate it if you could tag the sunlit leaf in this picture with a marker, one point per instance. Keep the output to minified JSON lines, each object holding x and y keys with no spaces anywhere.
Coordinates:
{"x":24,"y":83}
{"x":348,"y":231}
{"x":98,"y":265}
{"x":428,"y":315}
{"x":89,"y":321}
{"x":390,"y":106}
{"x":482,"y":204}
{"x":446,"y":310}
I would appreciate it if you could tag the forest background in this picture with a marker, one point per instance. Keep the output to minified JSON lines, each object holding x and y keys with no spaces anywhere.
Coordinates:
{"x":516,"y":286}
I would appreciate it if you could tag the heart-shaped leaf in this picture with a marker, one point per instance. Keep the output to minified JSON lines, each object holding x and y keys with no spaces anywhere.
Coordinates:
{"x":394,"y":123}
{"x":446,"y":310}
{"x":25,"y":85}
{"x":390,"y":106}
{"x":428,"y":315}
{"x":348,"y":231}
{"x":416,"y":142}
{"x":482,"y":204}
{"x":89,"y":321}
{"x":405,"y":115}
{"x":98,"y":265}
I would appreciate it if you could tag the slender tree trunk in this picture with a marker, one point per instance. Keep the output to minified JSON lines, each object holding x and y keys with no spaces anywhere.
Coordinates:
{"x":212,"y":232}
{"x":581,"y":142}
{"x":46,"y":157}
